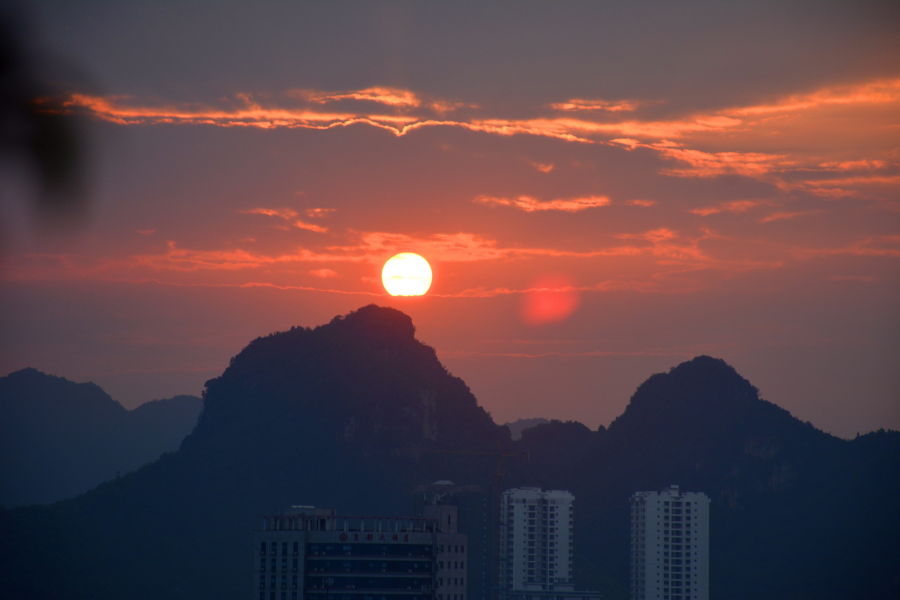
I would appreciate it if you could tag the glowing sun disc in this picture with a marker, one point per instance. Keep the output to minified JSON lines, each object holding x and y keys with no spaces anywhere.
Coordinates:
{"x":406,"y":274}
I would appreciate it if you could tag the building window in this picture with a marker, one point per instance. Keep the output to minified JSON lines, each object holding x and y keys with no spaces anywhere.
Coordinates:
{"x":262,"y":548}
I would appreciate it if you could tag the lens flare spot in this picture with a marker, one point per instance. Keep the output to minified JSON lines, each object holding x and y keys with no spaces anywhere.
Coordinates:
{"x":549,"y":300}
{"x":406,"y":274}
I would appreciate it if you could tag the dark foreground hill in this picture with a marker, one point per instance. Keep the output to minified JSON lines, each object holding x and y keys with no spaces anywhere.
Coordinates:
{"x":315,"y":416}
{"x":59,"y":439}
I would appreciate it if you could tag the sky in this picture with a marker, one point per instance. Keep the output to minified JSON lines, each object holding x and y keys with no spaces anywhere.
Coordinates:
{"x":603,"y":190}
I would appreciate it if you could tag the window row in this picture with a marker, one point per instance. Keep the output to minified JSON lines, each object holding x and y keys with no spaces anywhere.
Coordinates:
{"x":273,"y":548}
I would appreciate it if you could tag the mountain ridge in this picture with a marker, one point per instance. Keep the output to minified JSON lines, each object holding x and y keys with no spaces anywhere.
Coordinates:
{"x":59,"y":438}
{"x":316,"y":416}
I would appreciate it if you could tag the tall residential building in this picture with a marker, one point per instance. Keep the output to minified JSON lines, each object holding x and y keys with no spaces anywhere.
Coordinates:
{"x":536,"y":532}
{"x":475,"y":513}
{"x":313,"y":554}
{"x":669,"y":545}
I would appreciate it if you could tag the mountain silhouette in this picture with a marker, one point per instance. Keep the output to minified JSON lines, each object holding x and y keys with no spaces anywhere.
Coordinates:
{"x":796,"y":513}
{"x":316,"y":416}
{"x":59,"y":439}
{"x":519,"y":425}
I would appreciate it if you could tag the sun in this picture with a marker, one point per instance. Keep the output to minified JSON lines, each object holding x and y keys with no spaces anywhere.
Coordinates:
{"x":406,"y":274}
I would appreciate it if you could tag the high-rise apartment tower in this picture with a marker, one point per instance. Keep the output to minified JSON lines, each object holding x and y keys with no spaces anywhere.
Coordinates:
{"x":669,"y":545}
{"x":536,"y":531}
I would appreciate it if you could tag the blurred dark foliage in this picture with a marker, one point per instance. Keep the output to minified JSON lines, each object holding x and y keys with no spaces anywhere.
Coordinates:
{"x":314,"y":416}
{"x":35,"y":125}
{"x":59,"y":439}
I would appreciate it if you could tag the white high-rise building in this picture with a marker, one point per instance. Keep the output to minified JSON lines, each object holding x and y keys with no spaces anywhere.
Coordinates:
{"x":536,"y":540}
{"x":669,"y":545}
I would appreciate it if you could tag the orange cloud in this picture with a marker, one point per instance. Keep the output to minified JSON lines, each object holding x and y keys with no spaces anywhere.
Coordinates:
{"x":281,"y":213}
{"x":382,"y":95}
{"x":531,"y":205}
{"x":735,"y":206}
{"x":641,"y":202}
{"x":659,"y":260}
{"x":576,"y":104}
{"x":779,"y":216}
{"x":709,"y":144}
{"x":442,"y":107}
{"x":459,"y":247}
{"x":289,"y":214}
{"x":309,"y":226}
{"x":712,"y":164}
{"x":251,"y":112}
{"x":319,"y":212}
{"x":854,"y":165}
{"x":875,"y":92}
{"x":323,"y":273}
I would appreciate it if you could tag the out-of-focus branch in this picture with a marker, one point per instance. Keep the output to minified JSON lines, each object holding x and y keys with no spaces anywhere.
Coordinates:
{"x":35,"y":127}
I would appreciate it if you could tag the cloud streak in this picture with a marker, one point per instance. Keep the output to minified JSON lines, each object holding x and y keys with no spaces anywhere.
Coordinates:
{"x":701,"y":145}
{"x":288,"y":214}
{"x":529,"y":204}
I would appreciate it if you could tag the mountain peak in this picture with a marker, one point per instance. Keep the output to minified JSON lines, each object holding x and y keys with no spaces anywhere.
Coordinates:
{"x":30,"y":385}
{"x":362,"y":379}
{"x":703,"y":381}
{"x":375,"y":321}
{"x":704,"y":397}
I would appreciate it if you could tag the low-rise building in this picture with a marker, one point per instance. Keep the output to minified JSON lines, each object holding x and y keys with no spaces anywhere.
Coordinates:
{"x":314,"y":554}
